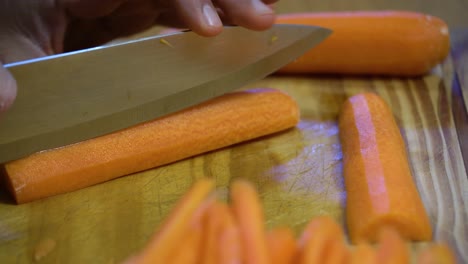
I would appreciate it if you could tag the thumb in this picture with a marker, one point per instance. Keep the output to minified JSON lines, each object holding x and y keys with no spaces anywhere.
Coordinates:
{"x":7,"y":89}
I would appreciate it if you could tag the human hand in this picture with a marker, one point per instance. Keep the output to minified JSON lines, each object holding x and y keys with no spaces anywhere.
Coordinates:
{"x":36,"y":28}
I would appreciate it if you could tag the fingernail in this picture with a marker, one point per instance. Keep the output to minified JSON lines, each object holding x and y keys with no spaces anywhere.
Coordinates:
{"x":261,"y":8}
{"x":211,"y":16}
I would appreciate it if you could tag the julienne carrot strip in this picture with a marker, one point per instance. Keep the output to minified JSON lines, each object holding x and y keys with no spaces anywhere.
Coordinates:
{"x":282,"y":245}
{"x":230,"y":251}
{"x":378,"y":181}
{"x":398,"y":43}
{"x":214,"y":221}
{"x":437,"y":253}
{"x":392,"y":248}
{"x":363,"y":253}
{"x":164,"y":242}
{"x":249,"y":216}
{"x":217,"y":123}
{"x":318,"y":239}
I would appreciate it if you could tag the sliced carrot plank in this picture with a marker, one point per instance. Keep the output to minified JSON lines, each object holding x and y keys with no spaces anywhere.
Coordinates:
{"x":318,"y":238}
{"x":363,"y":253}
{"x":282,"y":245}
{"x":372,"y":42}
{"x":437,"y":253}
{"x":378,"y":181}
{"x":392,"y":249}
{"x":249,"y":216}
{"x":217,"y":123}
{"x":184,"y":217}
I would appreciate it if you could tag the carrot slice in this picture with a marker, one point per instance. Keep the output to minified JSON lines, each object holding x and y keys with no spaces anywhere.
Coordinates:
{"x":282,"y":245}
{"x":363,"y":253}
{"x":249,"y":216}
{"x":392,"y":248}
{"x":318,"y":240}
{"x":378,"y":181}
{"x":438,"y":253}
{"x":183,"y":218}
{"x":372,"y":42}
{"x":217,"y":123}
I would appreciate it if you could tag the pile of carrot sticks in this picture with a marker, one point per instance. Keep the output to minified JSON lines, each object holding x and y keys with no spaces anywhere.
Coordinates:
{"x":203,"y":229}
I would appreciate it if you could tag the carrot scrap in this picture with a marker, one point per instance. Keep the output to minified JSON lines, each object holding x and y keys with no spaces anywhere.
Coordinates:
{"x":398,"y":43}
{"x":183,"y":218}
{"x":392,"y":248}
{"x":378,"y":181}
{"x":437,"y":253}
{"x":282,"y":245}
{"x":217,"y":123}
{"x":249,"y":216}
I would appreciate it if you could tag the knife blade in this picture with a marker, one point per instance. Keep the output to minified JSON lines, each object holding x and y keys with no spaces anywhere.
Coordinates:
{"x":67,"y":98}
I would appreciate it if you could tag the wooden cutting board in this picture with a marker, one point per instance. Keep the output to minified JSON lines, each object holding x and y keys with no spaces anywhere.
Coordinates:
{"x":297,"y":172}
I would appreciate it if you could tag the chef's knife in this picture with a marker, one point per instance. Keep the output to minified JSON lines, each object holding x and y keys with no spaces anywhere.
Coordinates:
{"x":67,"y":98}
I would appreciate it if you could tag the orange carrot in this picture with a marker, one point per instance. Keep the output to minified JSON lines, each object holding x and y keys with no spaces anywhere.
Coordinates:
{"x":214,"y":221}
{"x":249,"y":216}
{"x":183,"y":218}
{"x":378,"y":181}
{"x":319,"y":239}
{"x":372,"y":42}
{"x":392,"y":248}
{"x":438,"y":253}
{"x":230,"y":251}
{"x":281,"y":245}
{"x":217,"y":123}
{"x":363,"y":253}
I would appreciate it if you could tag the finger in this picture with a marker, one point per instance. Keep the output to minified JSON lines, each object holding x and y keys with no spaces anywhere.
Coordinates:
{"x":251,"y":14}
{"x":7,"y":89}
{"x":91,"y":8}
{"x":199,"y":16}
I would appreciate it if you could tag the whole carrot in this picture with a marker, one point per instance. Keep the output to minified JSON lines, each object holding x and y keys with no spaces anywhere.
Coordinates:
{"x":249,"y":216}
{"x":372,"y":42}
{"x":378,"y":181}
{"x":217,"y":123}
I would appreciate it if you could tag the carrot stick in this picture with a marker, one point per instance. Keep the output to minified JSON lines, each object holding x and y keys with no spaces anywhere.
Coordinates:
{"x":281,"y":245}
{"x":249,"y":216}
{"x":183,"y":218}
{"x":392,"y":248}
{"x":217,"y":123}
{"x":378,"y":181}
{"x":318,"y":238}
{"x":363,"y":253}
{"x":372,"y":42}
{"x":214,"y":221}
{"x":230,"y":251}
{"x":437,"y":253}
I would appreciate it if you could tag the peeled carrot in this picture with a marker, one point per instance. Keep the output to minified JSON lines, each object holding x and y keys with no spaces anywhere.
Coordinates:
{"x":282,"y":245}
{"x":363,"y":253}
{"x":318,"y":240}
{"x":164,"y":243}
{"x":372,"y":42}
{"x":220,"y":122}
{"x":392,"y":248}
{"x":437,"y":253}
{"x":249,"y":216}
{"x":378,"y":181}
